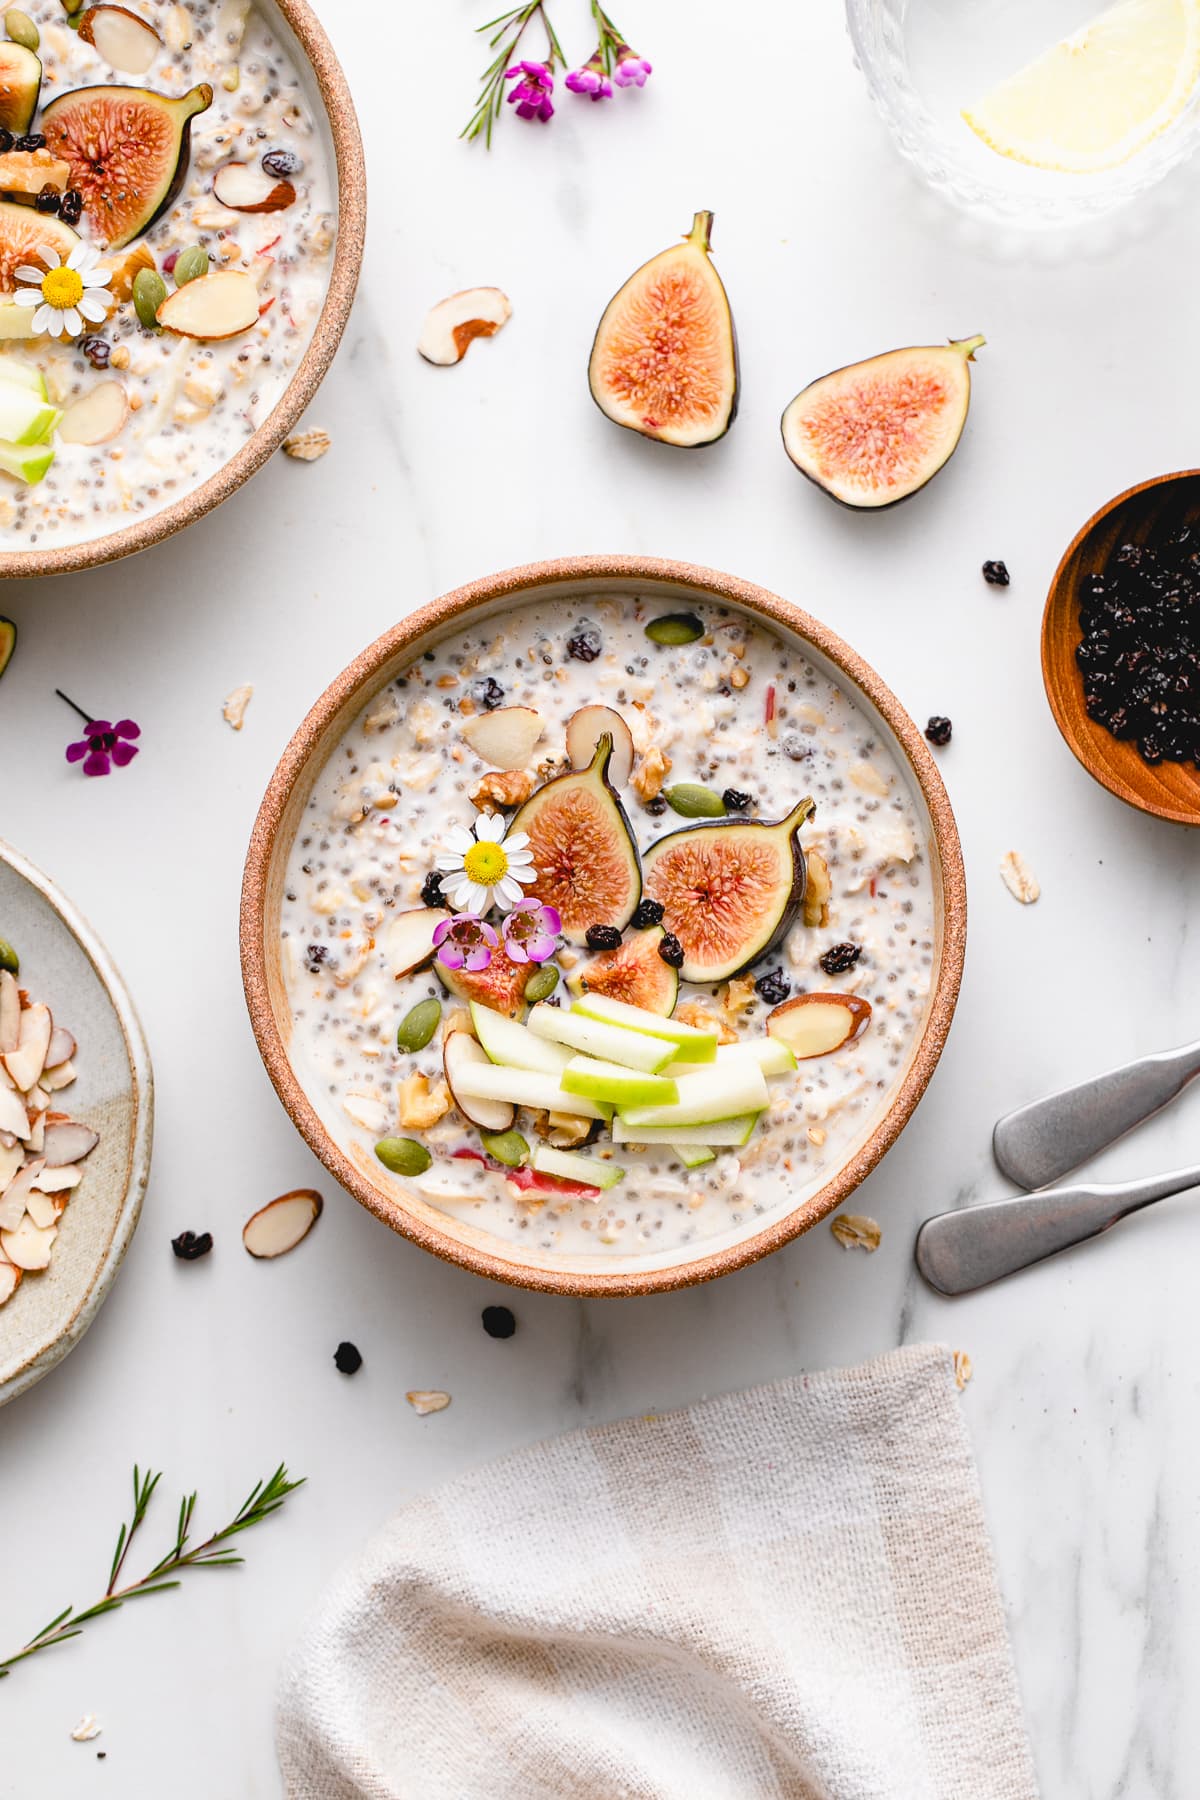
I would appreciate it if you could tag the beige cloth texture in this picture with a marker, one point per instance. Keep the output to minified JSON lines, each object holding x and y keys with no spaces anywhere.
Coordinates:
{"x":781,"y":1594}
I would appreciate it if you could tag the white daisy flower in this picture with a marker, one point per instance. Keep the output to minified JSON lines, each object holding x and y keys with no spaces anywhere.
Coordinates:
{"x":68,"y":295}
{"x":482,"y":867}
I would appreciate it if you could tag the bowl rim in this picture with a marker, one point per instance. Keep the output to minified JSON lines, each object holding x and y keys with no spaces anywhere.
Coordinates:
{"x":350,"y":167}
{"x":451,"y":609}
{"x":141,"y":1137}
{"x":1102,"y":772}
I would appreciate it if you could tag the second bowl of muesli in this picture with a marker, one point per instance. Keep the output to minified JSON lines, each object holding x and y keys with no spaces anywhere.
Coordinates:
{"x":603,"y":926}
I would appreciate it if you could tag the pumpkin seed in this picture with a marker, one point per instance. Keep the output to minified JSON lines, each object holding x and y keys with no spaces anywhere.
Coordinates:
{"x":418,"y":1026}
{"x":675,"y":628}
{"x":507,"y":1147}
{"x":694,"y":801}
{"x":403,"y":1156}
{"x":543,"y":984}
{"x":190,"y":264}
{"x":21,"y":28}
{"x":8,"y":958}
{"x":149,"y":292}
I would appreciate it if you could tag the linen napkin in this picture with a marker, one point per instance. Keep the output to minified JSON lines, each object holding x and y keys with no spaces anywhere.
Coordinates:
{"x":787,"y":1592}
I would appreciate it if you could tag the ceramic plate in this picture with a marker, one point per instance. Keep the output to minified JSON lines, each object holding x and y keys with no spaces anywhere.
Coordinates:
{"x":64,"y":964}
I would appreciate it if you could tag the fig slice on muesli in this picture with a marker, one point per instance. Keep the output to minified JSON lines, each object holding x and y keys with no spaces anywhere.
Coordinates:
{"x":20,"y":84}
{"x":634,"y":972}
{"x":583,"y":848}
{"x":128,"y":151}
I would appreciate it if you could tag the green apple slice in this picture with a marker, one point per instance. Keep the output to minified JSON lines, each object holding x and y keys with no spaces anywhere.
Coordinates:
{"x":771,"y":1054}
{"x":523,"y":1087}
{"x":25,"y":418}
{"x":513,"y":1044}
{"x":694,"y":1156}
{"x":721,"y":1092}
{"x":611,"y":1043}
{"x":28,"y":462}
{"x":701,"y":1046}
{"x":725,"y":1134}
{"x":23,"y":374}
{"x":598,"y":1080}
{"x":572,"y":1165}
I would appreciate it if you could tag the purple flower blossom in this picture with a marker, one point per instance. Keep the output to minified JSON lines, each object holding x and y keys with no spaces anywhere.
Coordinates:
{"x":631,"y":69}
{"x":531,"y":96}
{"x":531,"y":931}
{"x":465,"y":943}
{"x":104,"y":745}
{"x":591,"y":79}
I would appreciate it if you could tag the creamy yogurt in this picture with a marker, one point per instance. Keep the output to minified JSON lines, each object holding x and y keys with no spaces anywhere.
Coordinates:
{"x":374,"y":825}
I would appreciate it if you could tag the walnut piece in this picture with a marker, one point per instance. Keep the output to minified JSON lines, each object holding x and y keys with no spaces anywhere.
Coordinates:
{"x":818,"y":892}
{"x":420,"y":1105}
{"x":654,"y":765}
{"x":854,"y":1231}
{"x":502,"y":787}
{"x":691,"y":1014}
{"x":1019,"y":878}
{"x":738,"y":995}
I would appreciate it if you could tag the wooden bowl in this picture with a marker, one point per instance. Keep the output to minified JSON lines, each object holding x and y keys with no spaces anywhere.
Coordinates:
{"x":1151,"y":510}
{"x":279,"y":819}
{"x":334,"y":109}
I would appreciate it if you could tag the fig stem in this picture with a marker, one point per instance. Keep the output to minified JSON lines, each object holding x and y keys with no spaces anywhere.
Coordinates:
{"x":701,"y":233}
{"x":968,"y":346}
{"x":802,"y":811}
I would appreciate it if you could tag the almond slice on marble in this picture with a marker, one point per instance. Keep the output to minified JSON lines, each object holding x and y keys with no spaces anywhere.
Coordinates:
{"x":281,"y":1224}
{"x":452,"y":326}
{"x":408,"y":940}
{"x":247,"y":187}
{"x":214,"y":306}
{"x":29,"y":1246}
{"x":427,"y":1400}
{"x":816,"y":1024}
{"x":124,"y":40}
{"x":10,"y":1279}
{"x":505,"y":737}
{"x":67,"y":1141}
{"x":16,"y":1196}
{"x":27,"y":1061}
{"x":97,"y":416}
{"x":10,"y":1012}
{"x":62,"y":1048}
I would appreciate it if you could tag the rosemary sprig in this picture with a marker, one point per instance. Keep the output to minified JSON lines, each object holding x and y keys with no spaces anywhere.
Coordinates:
{"x":508,"y":29}
{"x":264,"y":1498}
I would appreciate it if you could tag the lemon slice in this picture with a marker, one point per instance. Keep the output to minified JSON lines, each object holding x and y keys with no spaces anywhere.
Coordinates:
{"x":1098,"y":97}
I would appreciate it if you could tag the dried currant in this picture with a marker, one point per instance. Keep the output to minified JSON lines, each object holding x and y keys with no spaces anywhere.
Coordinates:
{"x":773,"y":987}
{"x":431,"y":889}
{"x":649,"y":912}
{"x":488,"y":693}
{"x":189,"y":1246}
{"x":603,"y":937}
{"x":585,"y":644}
{"x":840,"y":958}
{"x":996,"y":574}
{"x":282,"y":163}
{"x":939,"y":730}
{"x":671,"y":950}
{"x":315,"y":956}
{"x":498,"y":1321}
{"x":347,"y":1358}
{"x":48,"y":201}
{"x":736,"y":801}
{"x":97,"y":350}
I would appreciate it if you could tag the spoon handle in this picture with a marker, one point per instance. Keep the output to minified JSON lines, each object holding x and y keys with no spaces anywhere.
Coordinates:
{"x":1042,"y":1141}
{"x":962,"y":1250}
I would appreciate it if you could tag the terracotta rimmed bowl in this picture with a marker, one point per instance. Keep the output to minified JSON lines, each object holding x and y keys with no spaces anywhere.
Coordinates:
{"x":65,"y":964}
{"x":332,"y":107}
{"x":668,"y":583}
{"x":1140,"y":514}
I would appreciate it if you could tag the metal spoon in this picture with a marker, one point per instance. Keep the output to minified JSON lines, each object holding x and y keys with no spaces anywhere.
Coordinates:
{"x":959,"y":1251}
{"x":1044,"y":1140}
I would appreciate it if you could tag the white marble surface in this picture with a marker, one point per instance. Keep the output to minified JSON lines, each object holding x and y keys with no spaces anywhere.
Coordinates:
{"x":1083,"y":1405}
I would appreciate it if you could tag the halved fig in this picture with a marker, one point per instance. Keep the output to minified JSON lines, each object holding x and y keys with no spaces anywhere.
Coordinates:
{"x":874,"y":432}
{"x":452,"y":326}
{"x":247,"y":187}
{"x":501,"y":985}
{"x":506,"y":736}
{"x":124,"y":40}
{"x":583,"y":849}
{"x":408,"y":940}
{"x":215,"y":306}
{"x":634,"y":972}
{"x":586,"y":727}
{"x":22,"y":233}
{"x":20,"y":84}
{"x":97,"y":417}
{"x":664,"y":361}
{"x":730,"y":889}
{"x":128,"y":151}
{"x":816,"y":1024}
{"x":459,"y":1050}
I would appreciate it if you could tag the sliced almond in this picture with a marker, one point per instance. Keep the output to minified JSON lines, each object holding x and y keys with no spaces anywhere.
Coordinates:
{"x":62,"y":1048}
{"x":280,"y":1225}
{"x":97,"y":416}
{"x":121,"y":38}
{"x":68,"y":1142}
{"x":29,"y":1246}
{"x":246,"y":187}
{"x":13,"y":1118}
{"x":10,"y":1012}
{"x":452,"y":326}
{"x":59,"y":1181}
{"x":408,"y":940}
{"x":1019,"y":878}
{"x":816,"y":1024}
{"x":16,"y":1196}
{"x":458,"y":1049}
{"x":586,"y":727}
{"x":87,"y":1729}
{"x":12,"y":1156}
{"x":234,"y":709}
{"x":504,"y":738}
{"x":35,"y":1132}
{"x":43,"y":1209}
{"x":368,"y":1111}
{"x":427,"y":1400}
{"x":218,"y":305}
{"x":54,"y":1080}
{"x":27,"y":1061}
{"x":10,"y":1279}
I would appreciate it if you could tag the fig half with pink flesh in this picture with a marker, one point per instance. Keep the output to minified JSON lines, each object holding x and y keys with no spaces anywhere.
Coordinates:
{"x":634,"y":972}
{"x":664,"y":361}
{"x":875,"y":432}
{"x":128,"y":151}
{"x":501,"y":985}
{"x":583,"y":849}
{"x":729,"y":890}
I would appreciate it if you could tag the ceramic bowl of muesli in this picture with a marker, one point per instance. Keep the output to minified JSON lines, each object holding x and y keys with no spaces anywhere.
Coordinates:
{"x":182,"y":207}
{"x":602,"y":925}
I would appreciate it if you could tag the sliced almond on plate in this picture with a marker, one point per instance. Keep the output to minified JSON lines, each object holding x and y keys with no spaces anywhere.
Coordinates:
{"x":43,"y":1209}
{"x":586,"y":727}
{"x":13,"y":1117}
{"x":27,"y":1061}
{"x":454,"y":323}
{"x":62,"y":1048}
{"x":11,"y":1158}
{"x":246,"y":187}
{"x":53,"y":1080}
{"x":10,"y":1279}
{"x":427,"y":1400}
{"x":97,"y":416}
{"x":281,"y":1224}
{"x":59,"y":1181}
{"x":10,"y":1012}
{"x":68,"y":1142}
{"x":29,"y":1246}
{"x":505,"y":737}
{"x":816,"y":1024}
{"x":408,"y":940}
{"x":16,"y":1196}
{"x":218,"y":305}
{"x":121,"y":38}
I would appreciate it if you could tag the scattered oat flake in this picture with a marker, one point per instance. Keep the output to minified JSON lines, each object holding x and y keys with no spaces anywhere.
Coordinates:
{"x":854,"y":1231}
{"x":962,"y":1369}
{"x":307,"y":446}
{"x":1019,"y":878}
{"x":87,"y":1729}
{"x":234,"y":709}
{"x":427,"y":1400}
